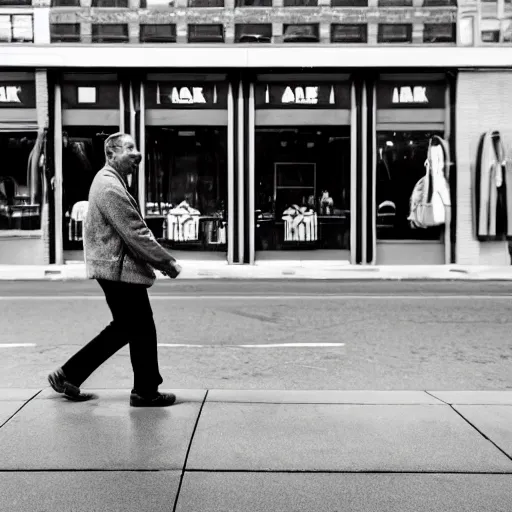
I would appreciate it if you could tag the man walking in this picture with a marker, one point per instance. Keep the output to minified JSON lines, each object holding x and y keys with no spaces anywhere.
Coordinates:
{"x":119,"y":253}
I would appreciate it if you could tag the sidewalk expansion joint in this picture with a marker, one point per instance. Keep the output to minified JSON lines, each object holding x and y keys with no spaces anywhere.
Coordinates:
{"x":12,"y":416}
{"x":188,"y":453}
{"x":348,"y":472}
{"x":509,"y":457}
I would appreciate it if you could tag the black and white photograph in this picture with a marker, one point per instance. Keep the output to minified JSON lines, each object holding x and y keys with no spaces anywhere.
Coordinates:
{"x":256,"y":256}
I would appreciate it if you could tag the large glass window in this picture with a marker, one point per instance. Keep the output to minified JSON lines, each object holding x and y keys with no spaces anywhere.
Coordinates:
{"x":82,"y":157}
{"x":302,"y":188}
{"x":16,"y":28}
{"x":186,"y":187}
{"x":400,"y":165}
{"x":20,"y":182}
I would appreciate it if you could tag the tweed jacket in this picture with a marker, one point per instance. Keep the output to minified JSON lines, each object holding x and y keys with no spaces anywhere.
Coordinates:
{"x":118,"y":244}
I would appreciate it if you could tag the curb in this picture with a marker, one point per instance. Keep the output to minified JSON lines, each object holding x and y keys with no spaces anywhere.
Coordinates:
{"x":278,"y":270}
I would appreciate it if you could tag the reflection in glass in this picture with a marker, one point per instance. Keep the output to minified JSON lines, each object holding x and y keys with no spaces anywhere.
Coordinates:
{"x":400,"y":165}
{"x":82,"y":157}
{"x":186,"y":187}
{"x":302,"y":188}
{"x":20,"y":186}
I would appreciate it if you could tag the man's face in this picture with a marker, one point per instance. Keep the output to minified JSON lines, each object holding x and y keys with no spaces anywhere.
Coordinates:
{"x":126,"y":158}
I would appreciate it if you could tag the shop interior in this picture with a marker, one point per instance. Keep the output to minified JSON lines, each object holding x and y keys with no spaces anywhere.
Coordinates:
{"x":82,"y":157}
{"x":400,"y":165}
{"x":186,"y":190}
{"x":20,"y":189}
{"x":302,"y":193}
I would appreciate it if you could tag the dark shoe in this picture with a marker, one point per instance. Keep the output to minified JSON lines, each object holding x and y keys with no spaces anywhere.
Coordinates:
{"x":158,"y":400}
{"x":58,"y":382}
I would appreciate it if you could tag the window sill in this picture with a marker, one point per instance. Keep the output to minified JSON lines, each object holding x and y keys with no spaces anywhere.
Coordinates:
{"x":21,"y":233}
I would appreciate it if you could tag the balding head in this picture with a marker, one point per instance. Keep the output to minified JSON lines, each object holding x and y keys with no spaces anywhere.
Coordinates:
{"x":121,"y":153}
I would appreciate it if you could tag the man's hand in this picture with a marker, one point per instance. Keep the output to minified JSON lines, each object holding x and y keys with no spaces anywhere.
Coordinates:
{"x":173,"y":271}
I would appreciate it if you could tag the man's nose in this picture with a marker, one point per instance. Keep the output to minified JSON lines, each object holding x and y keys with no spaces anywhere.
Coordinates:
{"x":137,"y":157}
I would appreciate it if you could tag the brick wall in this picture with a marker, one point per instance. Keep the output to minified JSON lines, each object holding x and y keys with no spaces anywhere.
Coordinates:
{"x":484,"y":102}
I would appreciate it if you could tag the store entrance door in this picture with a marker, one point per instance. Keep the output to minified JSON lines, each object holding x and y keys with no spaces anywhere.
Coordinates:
{"x":302,"y":190}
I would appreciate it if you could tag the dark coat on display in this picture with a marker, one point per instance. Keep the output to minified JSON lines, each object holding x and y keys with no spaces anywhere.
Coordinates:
{"x":118,"y":245}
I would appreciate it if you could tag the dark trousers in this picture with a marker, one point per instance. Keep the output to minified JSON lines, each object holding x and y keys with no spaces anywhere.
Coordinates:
{"x":132,"y":323}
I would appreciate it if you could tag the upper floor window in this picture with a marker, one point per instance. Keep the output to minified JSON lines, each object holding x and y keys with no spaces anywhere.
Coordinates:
{"x":395,"y":33}
{"x":65,"y":32}
{"x":490,"y":36}
{"x":65,"y":3}
{"x":206,"y":3}
{"x":439,"y":33}
{"x":156,"y":4}
{"x":349,"y":33}
{"x":16,"y":28}
{"x":109,"y":33}
{"x":301,"y":33}
{"x":300,"y":3}
{"x":253,"y":33}
{"x":122,"y":4}
{"x":165,"y":33}
{"x":439,"y":3}
{"x":253,"y":3}
{"x":349,"y":3}
{"x":206,"y":33}
{"x":17,"y":3}
{"x":395,"y":3}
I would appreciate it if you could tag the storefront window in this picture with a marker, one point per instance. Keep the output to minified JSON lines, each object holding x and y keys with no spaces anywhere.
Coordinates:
{"x":302,"y":188}
{"x":186,"y":187}
{"x":400,"y":165}
{"x":82,"y":157}
{"x":20,"y":182}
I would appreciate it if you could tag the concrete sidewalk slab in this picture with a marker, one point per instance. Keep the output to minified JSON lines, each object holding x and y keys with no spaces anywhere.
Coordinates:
{"x":53,"y":433}
{"x":85,"y":492}
{"x":278,"y":492}
{"x":502,"y":397}
{"x":8,"y":408}
{"x":17,"y":394}
{"x":322,"y":397}
{"x":494,"y":421}
{"x":289,"y":437}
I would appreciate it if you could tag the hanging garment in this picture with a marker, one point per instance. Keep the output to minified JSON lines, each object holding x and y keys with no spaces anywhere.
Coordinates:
{"x":300,"y":224}
{"x":215,"y":232}
{"x":493,"y":188}
{"x":76,"y":221}
{"x":430,"y":198}
{"x":183,"y":223}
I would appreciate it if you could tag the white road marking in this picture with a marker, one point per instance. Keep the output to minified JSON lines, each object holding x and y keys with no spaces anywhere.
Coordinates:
{"x":16,"y":345}
{"x":262,"y":345}
{"x":322,"y":297}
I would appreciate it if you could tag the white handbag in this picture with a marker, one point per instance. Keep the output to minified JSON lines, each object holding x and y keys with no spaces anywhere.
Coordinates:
{"x":431,"y":195}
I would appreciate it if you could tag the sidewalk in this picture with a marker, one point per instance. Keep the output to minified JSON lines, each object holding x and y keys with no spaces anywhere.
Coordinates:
{"x":244,"y":451}
{"x":201,"y":269}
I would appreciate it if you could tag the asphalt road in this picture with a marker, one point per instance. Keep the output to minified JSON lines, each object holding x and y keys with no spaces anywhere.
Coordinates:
{"x":248,"y":335}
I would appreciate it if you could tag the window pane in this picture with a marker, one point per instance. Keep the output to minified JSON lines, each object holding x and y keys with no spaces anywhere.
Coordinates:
{"x":65,"y":3}
{"x":439,"y":3}
{"x":349,"y":3}
{"x":490,"y":36}
{"x":109,"y":33}
{"x":22,"y":29}
{"x":86,"y":94}
{"x":158,"y":33}
{"x":395,"y":3}
{"x":206,"y":3}
{"x":300,"y":3}
{"x":155,"y":4}
{"x":15,"y":2}
{"x":303,"y":33}
{"x":344,"y":33}
{"x":65,"y":32}
{"x":253,"y":33}
{"x":254,"y":3}
{"x":302,"y":180}
{"x":206,"y":33}
{"x":16,"y":209}
{"x":186,"y":189}
{"x":110,"y":3}
{"x":5,"y":29}
{"x":400,"y":165}
{"x":439,"y":33}
{"x":395,"y":33}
